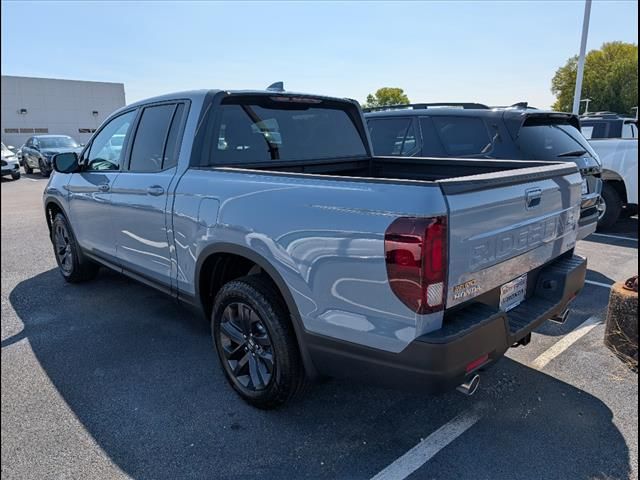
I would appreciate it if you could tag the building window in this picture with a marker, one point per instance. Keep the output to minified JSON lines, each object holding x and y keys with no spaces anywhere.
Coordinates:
{"x":26,"y":130}
{"x":86,"y":130}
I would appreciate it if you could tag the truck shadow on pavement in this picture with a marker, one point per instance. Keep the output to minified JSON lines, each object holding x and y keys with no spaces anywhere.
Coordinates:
{"x":140,"y":374}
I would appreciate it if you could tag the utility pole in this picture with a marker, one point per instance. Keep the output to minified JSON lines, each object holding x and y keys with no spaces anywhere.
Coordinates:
{"x":583,"y":48}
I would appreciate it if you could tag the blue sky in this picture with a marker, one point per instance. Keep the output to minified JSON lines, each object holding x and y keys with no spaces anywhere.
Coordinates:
{"x":491,"y":52}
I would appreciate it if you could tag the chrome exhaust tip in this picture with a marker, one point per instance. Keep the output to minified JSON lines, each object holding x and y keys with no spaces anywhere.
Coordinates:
{"x":561,"y":317}
{"x":470,"y":386}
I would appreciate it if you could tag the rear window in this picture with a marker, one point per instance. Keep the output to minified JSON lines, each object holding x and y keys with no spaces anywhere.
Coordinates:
{"x":393,"y":136}
{"x":462,"y":136}
{"x":266,"y":131}
{"x":552,"y":142}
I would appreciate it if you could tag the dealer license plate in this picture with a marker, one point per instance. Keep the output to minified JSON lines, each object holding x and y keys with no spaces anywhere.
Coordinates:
{"x":512,"y":294}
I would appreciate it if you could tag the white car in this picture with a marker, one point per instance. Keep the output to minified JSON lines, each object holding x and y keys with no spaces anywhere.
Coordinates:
{"x":615,"y":140}
{"x":10,"y":164}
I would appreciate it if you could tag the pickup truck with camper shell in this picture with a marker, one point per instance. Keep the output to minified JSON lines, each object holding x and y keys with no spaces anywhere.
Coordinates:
{"x":309,"y":255}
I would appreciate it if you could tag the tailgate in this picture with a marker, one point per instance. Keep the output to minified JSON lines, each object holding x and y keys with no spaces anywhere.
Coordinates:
{"x":504,"y":224}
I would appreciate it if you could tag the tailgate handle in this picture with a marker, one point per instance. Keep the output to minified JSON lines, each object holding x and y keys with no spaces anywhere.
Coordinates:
{"x":533,"y":197}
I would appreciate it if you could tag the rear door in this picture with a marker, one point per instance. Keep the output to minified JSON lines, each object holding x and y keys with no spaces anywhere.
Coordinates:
{"x":140,"y":193}
{"x":503,"y":225}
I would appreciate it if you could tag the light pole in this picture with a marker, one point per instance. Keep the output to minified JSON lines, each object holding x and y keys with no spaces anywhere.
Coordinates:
{"x":583,"y":48}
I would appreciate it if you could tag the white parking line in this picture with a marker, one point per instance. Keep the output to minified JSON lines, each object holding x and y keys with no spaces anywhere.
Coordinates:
{"x":566,"y":341}
{"x":429,"y":447}
{"x":618,"y":237}
{"x":598,"y":284}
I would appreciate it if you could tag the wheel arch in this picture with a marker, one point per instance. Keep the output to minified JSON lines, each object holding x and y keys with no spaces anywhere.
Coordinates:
{"x":617,"y":182}
{"x":51,"y":208}
{"x":204,"y":270}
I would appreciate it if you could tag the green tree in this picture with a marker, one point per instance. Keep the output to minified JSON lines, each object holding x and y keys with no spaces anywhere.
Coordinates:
{"x":386,"y":96}
{"x":610,"y":79}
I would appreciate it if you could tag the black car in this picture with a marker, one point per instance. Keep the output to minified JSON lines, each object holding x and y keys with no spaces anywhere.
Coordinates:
{"x":473,"y":130}
{"x":38,"y":151}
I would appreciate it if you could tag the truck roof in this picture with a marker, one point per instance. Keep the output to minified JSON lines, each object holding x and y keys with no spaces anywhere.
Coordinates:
{"x":199,"y":94}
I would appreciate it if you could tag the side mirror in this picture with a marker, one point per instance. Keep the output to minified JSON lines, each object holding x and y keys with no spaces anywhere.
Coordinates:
{"x":66,"y":162}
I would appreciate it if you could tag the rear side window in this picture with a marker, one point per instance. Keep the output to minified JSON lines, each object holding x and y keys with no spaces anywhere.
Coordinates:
{"x":594,"y":129}
{"x":393,"y":136}
{"x":462,"y":136}
{"x":172,"y":149}
{"x":431,"y":144}
{"x":263,"y":131}
{"x":148,"y":145}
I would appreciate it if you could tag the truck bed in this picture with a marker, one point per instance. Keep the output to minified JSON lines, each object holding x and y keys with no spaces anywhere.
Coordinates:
{"x":422,"y":169}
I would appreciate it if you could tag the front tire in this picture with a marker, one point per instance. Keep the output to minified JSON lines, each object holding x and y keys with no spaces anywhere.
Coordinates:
{"x":611,"y":207}
{"x":256,"y":344}
{"x":27,"y":169}
{"x":15,"y":175}
{"x":44,"y":171}
{"x":73,"y":266}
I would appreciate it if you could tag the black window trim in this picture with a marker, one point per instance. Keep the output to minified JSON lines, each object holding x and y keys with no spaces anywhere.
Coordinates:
{"x":136,"y":124}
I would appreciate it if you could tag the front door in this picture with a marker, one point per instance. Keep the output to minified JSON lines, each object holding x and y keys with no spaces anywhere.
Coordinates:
{"x":140,"y":194}
{"x":90,"y":189}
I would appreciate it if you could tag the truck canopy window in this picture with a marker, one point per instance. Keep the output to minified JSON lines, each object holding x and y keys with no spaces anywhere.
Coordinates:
{"x":263,"y":131}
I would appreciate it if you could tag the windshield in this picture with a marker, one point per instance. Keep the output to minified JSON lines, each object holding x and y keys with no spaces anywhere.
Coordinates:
{"x":552,"y":142}
{"x":267,"y":130}
{"x":57,"y":142}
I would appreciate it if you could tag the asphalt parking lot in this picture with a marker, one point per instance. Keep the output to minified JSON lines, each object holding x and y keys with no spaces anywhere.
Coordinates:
{"x":113,"y":379}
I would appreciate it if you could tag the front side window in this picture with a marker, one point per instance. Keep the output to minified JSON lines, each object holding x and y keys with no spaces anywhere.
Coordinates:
{"x":463,"y":136}
{"x":266,"y":130}
{"x":393,"y":136}
{"x":107,"y":147}
{"x":148,"y":146}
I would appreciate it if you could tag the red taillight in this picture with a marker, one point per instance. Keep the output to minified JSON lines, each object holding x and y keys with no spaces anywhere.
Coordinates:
{"x":416,"y":256}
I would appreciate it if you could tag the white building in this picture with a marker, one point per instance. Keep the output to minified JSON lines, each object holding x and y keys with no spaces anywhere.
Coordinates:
{"x":45,"y":105}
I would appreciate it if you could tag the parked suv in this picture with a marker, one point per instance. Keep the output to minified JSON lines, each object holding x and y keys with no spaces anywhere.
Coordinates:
{"x":615,"y":139}
{"x":39,"y":149}
{"x":472,"y":130}
{"x":309,"y":255}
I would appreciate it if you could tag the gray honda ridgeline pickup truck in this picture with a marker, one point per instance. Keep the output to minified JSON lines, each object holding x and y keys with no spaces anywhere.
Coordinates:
{"x":309,"y":255}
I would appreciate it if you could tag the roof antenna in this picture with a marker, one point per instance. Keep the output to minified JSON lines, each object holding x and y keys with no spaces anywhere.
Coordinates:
{"x":276,"y":87}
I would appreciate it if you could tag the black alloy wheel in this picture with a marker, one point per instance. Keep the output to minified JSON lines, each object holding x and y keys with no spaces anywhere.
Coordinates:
{"x":246,"y":347}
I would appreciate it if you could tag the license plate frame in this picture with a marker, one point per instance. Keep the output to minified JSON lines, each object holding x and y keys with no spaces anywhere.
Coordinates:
{"x":513,"y":293}
{"x":584,"y":188}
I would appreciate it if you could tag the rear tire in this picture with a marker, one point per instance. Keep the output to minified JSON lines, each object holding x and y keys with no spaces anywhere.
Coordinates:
{"x":612,"y":204}
{"x":27,"y":169}
{"x":73,"y":266}
{"x":256,"y":344}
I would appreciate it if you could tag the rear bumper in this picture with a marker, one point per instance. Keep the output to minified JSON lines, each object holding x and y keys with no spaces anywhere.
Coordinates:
{"x":438,"y":361}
